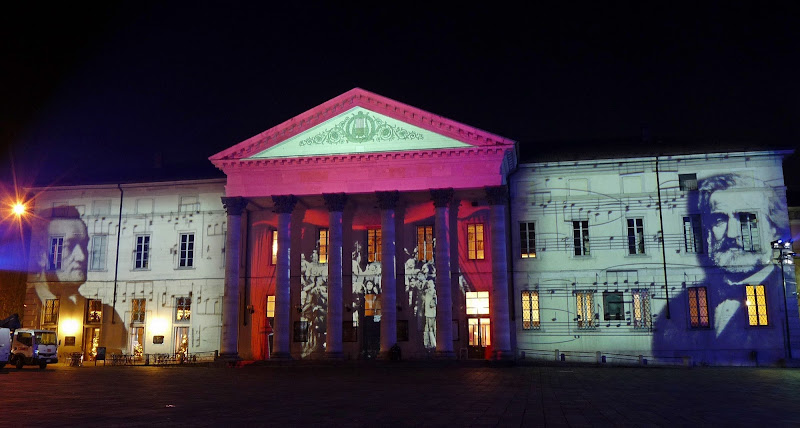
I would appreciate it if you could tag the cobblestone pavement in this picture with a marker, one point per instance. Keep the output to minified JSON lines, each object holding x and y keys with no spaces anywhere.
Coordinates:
{"x":399,"y":394}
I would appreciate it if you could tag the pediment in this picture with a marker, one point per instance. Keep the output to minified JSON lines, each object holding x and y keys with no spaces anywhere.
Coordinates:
{"x":359,"y":130}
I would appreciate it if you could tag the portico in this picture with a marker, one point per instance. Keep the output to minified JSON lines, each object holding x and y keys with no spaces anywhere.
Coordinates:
{"x":366,"y":223}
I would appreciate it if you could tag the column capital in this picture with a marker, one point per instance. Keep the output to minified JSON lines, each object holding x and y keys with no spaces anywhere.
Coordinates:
{"x":442,"y":197}
{"x":335,"y":201}
{"x":388,"y":200}
{"x":497,"y":195}
{"x":234,"y":205}
{"x":284,"y":204}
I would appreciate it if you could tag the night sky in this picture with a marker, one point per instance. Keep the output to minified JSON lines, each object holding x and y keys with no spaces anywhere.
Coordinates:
{"x":98,"y":92}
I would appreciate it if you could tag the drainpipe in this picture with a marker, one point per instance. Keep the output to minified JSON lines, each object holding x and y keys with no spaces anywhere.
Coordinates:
{"x":663,"y":251}
{"x":116,"y":262}
{"x":511,"y":256}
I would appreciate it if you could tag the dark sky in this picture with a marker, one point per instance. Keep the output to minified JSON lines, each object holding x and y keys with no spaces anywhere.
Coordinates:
{"x":93,"y":91}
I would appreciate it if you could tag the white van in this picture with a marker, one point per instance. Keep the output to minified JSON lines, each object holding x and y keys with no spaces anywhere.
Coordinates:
{"x":5,"y":346}
{"x":34,"y":347}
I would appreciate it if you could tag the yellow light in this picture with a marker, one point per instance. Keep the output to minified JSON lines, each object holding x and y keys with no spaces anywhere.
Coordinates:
{"x":19,"y":209}
{"x":69,"y":327}
{"x":159,"y":325}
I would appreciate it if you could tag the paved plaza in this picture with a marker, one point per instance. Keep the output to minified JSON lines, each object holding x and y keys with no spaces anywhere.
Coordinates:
{"x":399,"y":394}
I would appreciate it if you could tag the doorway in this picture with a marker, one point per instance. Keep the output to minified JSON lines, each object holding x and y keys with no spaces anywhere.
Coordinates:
{"x":478,"y":324}
{"x":91,"y":340}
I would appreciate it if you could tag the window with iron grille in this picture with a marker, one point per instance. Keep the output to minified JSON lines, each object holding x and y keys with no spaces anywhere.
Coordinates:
{"x":98,"y":252}
{"x":698,"y":307}
{"x":142,"y":253}
{"x":585,"y":309}
{"x":322,"y":236}
{"x":530,"y":310}
{"x":94,"y":311}
{"x":751,"y":240}
{"x":635,"y":236}
{"x":137,"y":310}
{"x":183,"y":308}
{"x":692,"y":234}
{"x":641,"y":309}
{"x":475,"y":242}
{"x":580,"y":235}
{"x":301,"y":331}
{"x":55,"y":253}
{"x":50,"y":315}
{"x":527,"y":240}
{"x":756,"y":305}
{"x":187,"y":250}
{"x":373,"y":245}
{"x":425,"y":243}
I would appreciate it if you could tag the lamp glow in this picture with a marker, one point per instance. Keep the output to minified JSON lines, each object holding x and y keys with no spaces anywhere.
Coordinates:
{"x":69,"y":327}
{"x":19,"y":209}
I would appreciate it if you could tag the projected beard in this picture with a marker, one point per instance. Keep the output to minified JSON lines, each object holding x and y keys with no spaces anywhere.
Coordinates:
{"x":69,"y":238}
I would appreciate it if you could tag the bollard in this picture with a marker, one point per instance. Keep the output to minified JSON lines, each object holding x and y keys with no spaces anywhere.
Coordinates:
{"x":641,"y":360}
{"x":687,"y":361}
{"x":600,"y":359}
{"x":604,"y":359}
{"x":147,"y":359}
{"x":556,"y":354}
{"x":563,"y":357}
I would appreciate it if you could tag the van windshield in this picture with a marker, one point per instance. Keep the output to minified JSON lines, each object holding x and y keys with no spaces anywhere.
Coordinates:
{"x":46,"y":338}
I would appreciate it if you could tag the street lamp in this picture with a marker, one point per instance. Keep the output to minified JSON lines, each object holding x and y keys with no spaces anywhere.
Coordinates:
{"x":785,"y":257}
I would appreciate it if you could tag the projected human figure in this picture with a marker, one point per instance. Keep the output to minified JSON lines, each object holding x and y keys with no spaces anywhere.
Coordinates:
{"x":721,"y":316}
{"x":63,"y":259}
{"x":314,"y":300}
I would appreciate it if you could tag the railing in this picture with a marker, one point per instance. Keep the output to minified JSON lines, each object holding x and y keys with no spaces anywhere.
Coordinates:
{"x":162,"y":359}
{"x":599,"y":357}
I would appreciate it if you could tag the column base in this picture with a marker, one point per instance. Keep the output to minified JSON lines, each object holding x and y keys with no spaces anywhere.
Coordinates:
{"x":229,"y":357}
{"x":285,"y":356}
{"x":444,"y":355}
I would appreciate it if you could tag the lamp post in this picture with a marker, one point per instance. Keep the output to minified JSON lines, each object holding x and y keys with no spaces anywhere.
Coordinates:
{"x":785,"y":257}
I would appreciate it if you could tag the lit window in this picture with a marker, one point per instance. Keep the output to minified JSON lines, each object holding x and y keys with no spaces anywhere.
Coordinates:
{"x":94,"y":311}
{"x":756,"y":305}
{"x":750,"y":237}
{"x":50,"y":315}
{"x":425,"y":243}
{"x":692,"y":234}
{"x":98,"y":255}
{"x":56,"y":251}
{"x":527,"y":240}
{"x":530,"y":310}
{"x":475,"y":248}
{"x":187,"y":250}
{"x":142,"y":253}
{"x":372,"y":305}
{"x":137,"y":310}
{"x":373,"y":245}
{"x":687,"y":181}
{"x":585,"y":306}
{"x":613,"y":308}
{"x":301,"y":331}
{"x":698,"y":307}
{"x":580,"y":234}
{"x":635,"y":236}
{"x":641,"y":309}
{"x":479,"y":331}
{"x":183,"y":308}
{"x":270,"y":306}
{"x":274,"y":247}
{"x":323,"y":245}
{"x":477,"y":302}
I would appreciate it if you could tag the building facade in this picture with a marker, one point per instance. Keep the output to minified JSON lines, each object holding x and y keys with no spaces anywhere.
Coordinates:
{"x":366,"y":227}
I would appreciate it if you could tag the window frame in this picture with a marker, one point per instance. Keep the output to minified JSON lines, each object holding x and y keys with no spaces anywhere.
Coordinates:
{"x":50,"y":311}
{"x":641,"y":310}
{"x":183,"y":304}
{"x":141,"y":251}
{"x":97,"y":256}
{"x":607,"y":315}
{"x":748,"y":222}
{"x":186,"y":250}
{"x":55,"y":253}
{"x":273,"y":257}
{"x":477,"y":301}
{"x":635,"y":233}
{"x":531,"y":315}
{"x":585,"y":310}
{"x":693,"y":236}
{"x":580,"y":238}
{"x":138,"y":311}
{"x":323,"y":246}
{"x":698,"y":303}
{"x":476,"y":241}
{"x":374,"y":242}
{"x":757,"y":309}
{"x":425,"y":244}
{"x":527,"y":239}
{"x":94,"y":316}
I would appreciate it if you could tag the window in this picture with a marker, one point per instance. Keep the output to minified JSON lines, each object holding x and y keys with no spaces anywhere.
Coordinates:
{"x":692,"y":234}
{"x":187,"y":250}
{"x":402,"y":331}
{"x":635,"y":236}
{"x":527,"y":240}
{"x":698,"y":307}
{"x":349,"y":331}
{"x":425,"y":243}
{"x":756,"y":305}
{"x":373,"y":245}
{"x":94,"y":311}
{"x":323,"y":245}
{"x":274,"y":247}
{"x":142,"y":255}
{"x":687,"y":181}
{"x":613,"y":308}
{"x":477,"y":302}
{"x":183,"y":308}
{"x":270,"y":306}
{"x":750,"y":238}
{"x":56,"y":251}
{"x":475,"y":248}
{"x":585,"y":305}
{"x":372,"y":305}
{"x":137,"y":310}
{"x":50,"y":311}
{"x":98,"y":255}
{"x":641,"y":309}
{"x":530,"y":310}
{"x":580,"y":233}
{"x":301,"y":331}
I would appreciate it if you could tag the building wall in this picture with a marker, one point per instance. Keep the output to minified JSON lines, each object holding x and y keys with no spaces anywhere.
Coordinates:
{"x":607,"y":195}
{"x":162,"y":211}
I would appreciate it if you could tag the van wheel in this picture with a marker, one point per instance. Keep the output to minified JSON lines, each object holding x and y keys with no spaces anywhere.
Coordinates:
{"x":42,"y":366}
{"x":19,"y":363}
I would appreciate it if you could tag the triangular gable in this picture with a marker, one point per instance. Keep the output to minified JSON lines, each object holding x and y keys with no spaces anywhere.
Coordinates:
{"x":400,"y":125}
{"x":359,"y":130}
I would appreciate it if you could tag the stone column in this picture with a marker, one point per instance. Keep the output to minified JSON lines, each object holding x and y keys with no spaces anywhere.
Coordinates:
{"x":333,"y":338}
{"x":284,"y":205}
{"x":387,"y":201}
{"x":441,"y":256}
{"x":501,"y":336}
{"x":234,"y":206}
